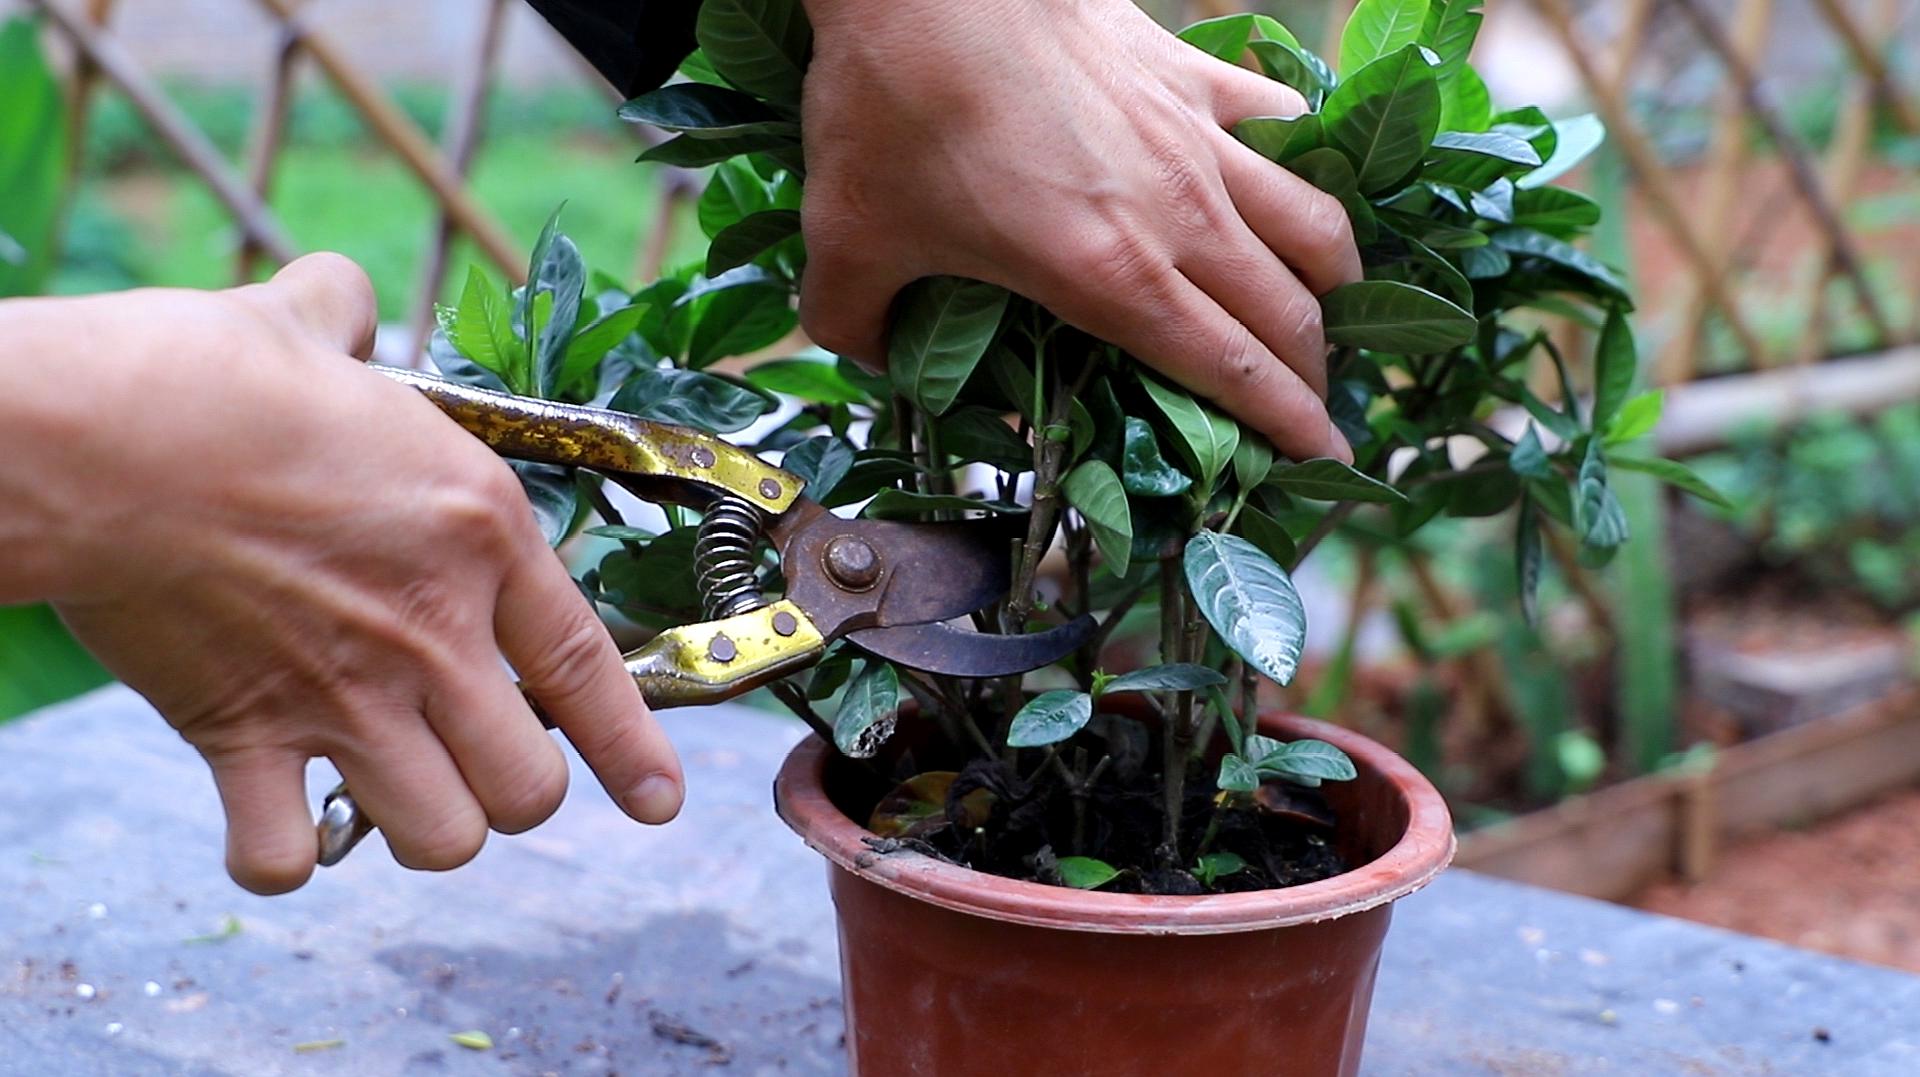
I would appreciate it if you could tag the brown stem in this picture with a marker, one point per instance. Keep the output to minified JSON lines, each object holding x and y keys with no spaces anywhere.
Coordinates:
{"x":1173,"y":756}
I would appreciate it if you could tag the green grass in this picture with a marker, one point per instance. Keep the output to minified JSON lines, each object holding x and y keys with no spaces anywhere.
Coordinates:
{"x":363,"y":202}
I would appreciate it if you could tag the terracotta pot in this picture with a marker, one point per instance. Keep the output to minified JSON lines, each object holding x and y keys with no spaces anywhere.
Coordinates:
{"x":949,"y":972}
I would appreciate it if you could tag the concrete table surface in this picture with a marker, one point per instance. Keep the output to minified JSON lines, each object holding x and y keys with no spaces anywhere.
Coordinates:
{"x":595,"y":946}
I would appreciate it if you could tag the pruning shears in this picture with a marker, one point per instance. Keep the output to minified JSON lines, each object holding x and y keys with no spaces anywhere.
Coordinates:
{"x":886,"y":587}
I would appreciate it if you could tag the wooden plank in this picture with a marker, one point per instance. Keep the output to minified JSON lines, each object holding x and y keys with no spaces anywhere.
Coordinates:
{"x":1813,"y":771}
{"x":1605,"y":844}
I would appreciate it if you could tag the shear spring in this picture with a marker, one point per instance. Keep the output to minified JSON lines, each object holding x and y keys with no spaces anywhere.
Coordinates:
{"x":723,"y":558}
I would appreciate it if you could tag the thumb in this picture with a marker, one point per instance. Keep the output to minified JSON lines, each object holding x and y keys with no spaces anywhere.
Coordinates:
{"x":329,"y":297}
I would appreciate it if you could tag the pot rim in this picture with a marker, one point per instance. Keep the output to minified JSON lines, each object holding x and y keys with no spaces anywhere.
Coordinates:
{"x":1423,"y":850}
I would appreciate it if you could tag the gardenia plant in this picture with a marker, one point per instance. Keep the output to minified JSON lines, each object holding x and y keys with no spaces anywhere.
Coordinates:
{"x":1169,"y":514}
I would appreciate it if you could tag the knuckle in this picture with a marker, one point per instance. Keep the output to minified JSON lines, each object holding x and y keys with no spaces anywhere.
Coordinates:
{"x":571,"y":662}
{"x":530,"y":798}
{"x":1304,"y":323}
{"x":1324,"y":224}
{"x":442,"y":845}
{"x":1121,"y":260}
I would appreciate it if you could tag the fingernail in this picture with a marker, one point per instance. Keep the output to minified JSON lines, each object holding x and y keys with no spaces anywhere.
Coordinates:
{"x":655,"y":800}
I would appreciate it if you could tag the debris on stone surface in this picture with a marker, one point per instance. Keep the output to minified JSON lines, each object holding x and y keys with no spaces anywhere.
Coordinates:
{"x":473,"y":1040}
{"x":676,"y":1031}
{"x":230,"y":926}
{"x":314,"y":1046}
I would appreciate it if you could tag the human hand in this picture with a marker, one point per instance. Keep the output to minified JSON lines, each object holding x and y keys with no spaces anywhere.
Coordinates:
{"x":292,"y":556}
{"x":1077,"y":154}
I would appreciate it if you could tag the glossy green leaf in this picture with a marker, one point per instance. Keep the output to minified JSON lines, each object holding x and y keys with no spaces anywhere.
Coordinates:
{"x":817,"y":381}
{"x":760,"y":46}
{"x":738,"y":321}
{"x":1237,"y":775}
{"x":1266,"y":533}
{"x":1143,"y":470}
{"x":1086,"y":873}
{"x":941,"y":328}
{"x":1598,"y":517}
{"x":1249,"y":600}
{"x":1636,"y":418}
{"x":867,"y":711}
{"x":1558,"y":252}
{"x":733,"y":193}
{"x":1252,"y":460}
{"x":1329,"y":170}
{"x":1389,"y":316}
{"x":1384,"y":116}
{"x":750,"y":237}
{"x":1049,"y":718}
{"x":707,"y":112}
{"x":1379,"y":28}
{"x":1472,"y":160}
{"x":691,"y":151}
{"x":34,"y":158}
{"x":981,"y":435}
{"x":1555,"y":211}
{"x":1575,"y":139}
{"x":1465,"y":103}
{"x":1096,"y":492}
{"x":1328,"y":479}
{"x":1172,"y":677}
{"x":1308,"y":762}
{"x":1615,"y":364}
{"x":891,"y":504}
{"x":553,"y":495}
{"x":1529,"y":457}
{"x":1214,"y":866}
{"x":690,"y":398}
{"x":41,"y":664}
{"x":1674,"y":474}
{"x":1281,"y":138}
{"x":557,"y":271}
{"x":481,"y":327}
{"x":1297,"y":67}
{"x":1449,"y":30}
{"x":822,"y":461}
{"x":1207,"y":438}
{"x":590,"y":345}
{"x":1226,"y":36}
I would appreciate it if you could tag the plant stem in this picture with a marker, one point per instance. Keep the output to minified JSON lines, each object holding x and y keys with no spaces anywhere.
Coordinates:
{"x":790,"y":694}
{"x":1173,"y":755}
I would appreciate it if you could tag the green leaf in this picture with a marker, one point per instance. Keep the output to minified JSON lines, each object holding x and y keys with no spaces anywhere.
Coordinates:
{"x":734,"y":193}
{"x":1555,"y":211}
{"x":1281,"y":138}
{"x":1265,"y":532}
{"x":761,"y":46}
{"x":1674,"y":474}
{"x":690,"y":398}
{"x":1329,"y":170}
{"x":817,"y":381}
{"x":621,"y":532}
{"x":1226,"y":36}
{"x":1328,"y":479}
{"x":823,"y":461}
{"x":1086,"y":873}
{"x":892,"y":504}
{"x":691,"y":151}
{"x":1465,"y":104}
{"x":1308,"y":762}
{"x":1249,"y":600}
{"x":738,"y":321}
{"x":1379,"y":28}
{"x":1049,"y":718}
{"x":1615,"y":363}
{"x":1597,"y":515}
{"x":41,"y":663}
{"x":1529,"y":457}
{"x":556,"y":270}
{"x":1143,"y":470}
{"x":707,"y":112}
{"x":1252,"y":460}
{"x":33,"y":157}
{"x":1172,"y":677}
{"x":1237,"y":775}
{"x":1097,"y":493}
{"x":1558,"y":252}
{"x":867,"y":711}
{"x":976,"y":434}
{"x":592,"y":344}
{"x":1207,"y":438}
{"x":1574,"y":140}
{"x":1389,"y":316}
{"x":941,"y":328}
{"x":1213,"y":866}
{"x":1526,"y":560}
{"x":750,"y":237}
{"x":553,"y":495}
{"x":473,"y":1040}
{"x":1449,"y":30}
{"x":1297,"y":67}
{"x":1637,"y":418}
{"x":1384,"y":116}
{"x":1472,"y":160}
{"x":481,"y":327}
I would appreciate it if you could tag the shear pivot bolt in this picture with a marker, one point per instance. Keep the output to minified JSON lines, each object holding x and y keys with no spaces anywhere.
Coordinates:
{"x":769,"y":489}
{"x":702,"y":456}
{"x":722,"y":648}
{"x":786,"y":624}
{"x":852,"y":563}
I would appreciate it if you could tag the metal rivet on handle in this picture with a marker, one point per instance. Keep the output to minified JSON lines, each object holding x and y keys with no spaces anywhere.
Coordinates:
{"x":702,"y":456}
{"x":769,"y":489}
{"x":722,"y":648}
{"x":785,"y":623}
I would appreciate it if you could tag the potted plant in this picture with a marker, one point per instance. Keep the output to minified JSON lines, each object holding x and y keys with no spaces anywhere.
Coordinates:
{"x":1114,"y":863}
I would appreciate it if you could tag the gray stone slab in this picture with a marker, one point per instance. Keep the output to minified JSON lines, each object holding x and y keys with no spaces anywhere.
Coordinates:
{"x":595,"y":946}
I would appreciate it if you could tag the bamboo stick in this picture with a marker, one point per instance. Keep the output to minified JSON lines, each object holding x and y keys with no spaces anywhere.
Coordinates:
{"x":173,"y":128}
{"x":1870,"y":60}
{"x":1657,"y":182}
{"x":270,"y":125}
{"x":406,"y":139}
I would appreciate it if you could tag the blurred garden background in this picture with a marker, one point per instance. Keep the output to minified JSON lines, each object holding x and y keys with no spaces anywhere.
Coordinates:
{"x":1720,"y":723}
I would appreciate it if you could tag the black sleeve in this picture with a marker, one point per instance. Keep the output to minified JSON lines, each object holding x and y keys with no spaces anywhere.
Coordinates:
{"x":636,"y":44}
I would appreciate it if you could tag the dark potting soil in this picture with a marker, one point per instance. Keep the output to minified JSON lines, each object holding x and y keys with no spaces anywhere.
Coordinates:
{"x":1019,"y":825}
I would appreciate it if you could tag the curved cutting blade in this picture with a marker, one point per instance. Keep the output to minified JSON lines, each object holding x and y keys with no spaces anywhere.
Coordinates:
{"x":961,"y":652}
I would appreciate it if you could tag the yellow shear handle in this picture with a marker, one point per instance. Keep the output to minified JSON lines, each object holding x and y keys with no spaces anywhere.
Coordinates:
{"x":715,"y":660}
{"x":544,"y":431}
